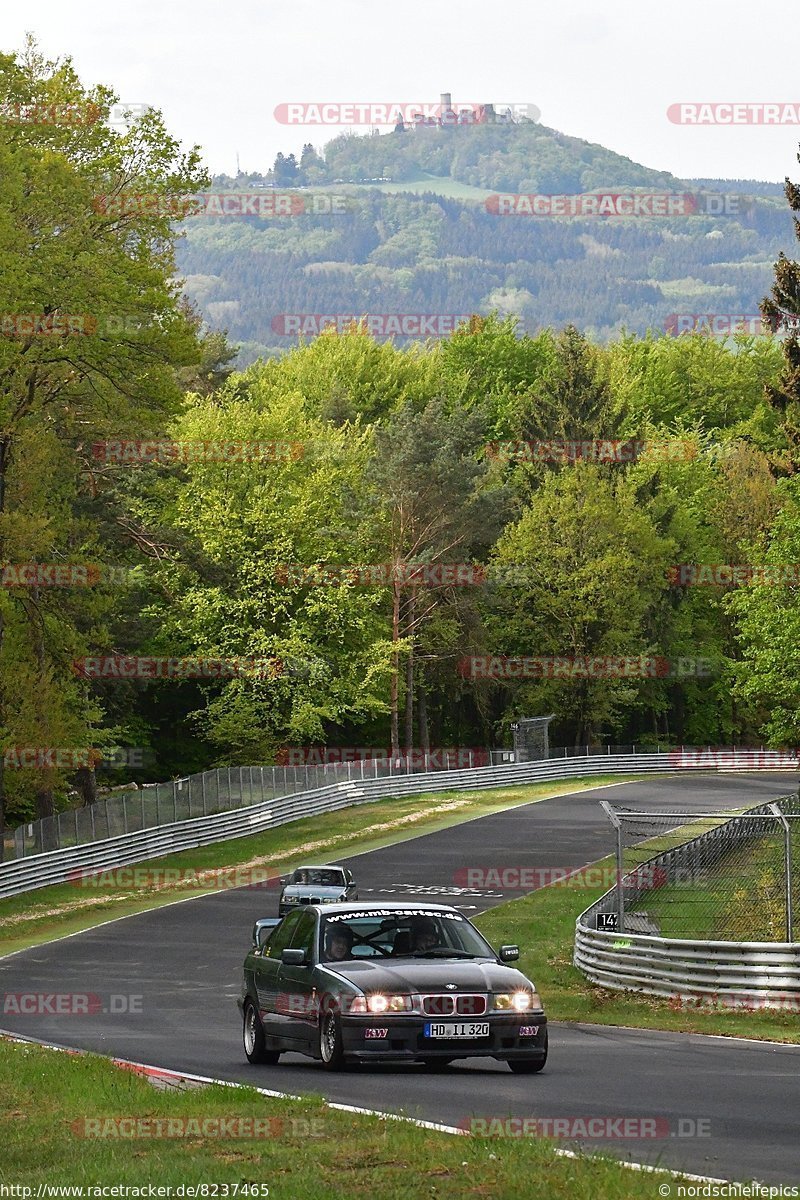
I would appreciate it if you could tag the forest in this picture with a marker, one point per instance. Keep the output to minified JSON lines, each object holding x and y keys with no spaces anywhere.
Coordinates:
{"x":364,"y":542}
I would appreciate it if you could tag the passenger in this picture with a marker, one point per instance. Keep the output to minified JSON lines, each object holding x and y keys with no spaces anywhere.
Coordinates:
{"x":424,"y":935}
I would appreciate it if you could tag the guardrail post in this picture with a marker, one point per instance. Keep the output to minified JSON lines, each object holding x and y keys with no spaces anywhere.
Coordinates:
{"x":615,"y":821}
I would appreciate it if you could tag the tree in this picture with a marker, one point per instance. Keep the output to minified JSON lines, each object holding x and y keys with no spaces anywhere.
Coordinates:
{"x":93,"y":325}
{"x":433,"y":502}
{"x":577,"y":575}
{"x":245,"y":574}
{"x":782,"y":310}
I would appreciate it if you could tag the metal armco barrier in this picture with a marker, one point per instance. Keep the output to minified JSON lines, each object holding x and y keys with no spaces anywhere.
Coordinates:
{"x":734,"y":974}
{"x":60,"y":866}
{"x":769,"y":971}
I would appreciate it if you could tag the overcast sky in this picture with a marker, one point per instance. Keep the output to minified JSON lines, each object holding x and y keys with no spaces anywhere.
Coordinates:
{"x":218,"y":70}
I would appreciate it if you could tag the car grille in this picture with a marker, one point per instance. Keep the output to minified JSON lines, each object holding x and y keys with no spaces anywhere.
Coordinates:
{"x":445,"y":1006}
{"x":311,"y":899}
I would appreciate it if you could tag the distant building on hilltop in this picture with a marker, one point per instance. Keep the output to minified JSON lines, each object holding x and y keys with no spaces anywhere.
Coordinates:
{"x":448,"y":116}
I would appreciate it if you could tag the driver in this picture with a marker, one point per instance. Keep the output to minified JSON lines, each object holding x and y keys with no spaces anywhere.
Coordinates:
{"x":424,"y":935}
{"x":338,"y":943}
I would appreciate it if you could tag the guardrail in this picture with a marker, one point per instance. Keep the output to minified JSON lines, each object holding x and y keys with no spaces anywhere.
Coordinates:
{"x":734,"y":973}
{"x":60,"y":866}
{"x":769,"y":971}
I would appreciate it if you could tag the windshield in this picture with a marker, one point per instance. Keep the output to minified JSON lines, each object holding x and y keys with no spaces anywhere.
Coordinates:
{"x":410,"y":933}
{"x":327,"y":877}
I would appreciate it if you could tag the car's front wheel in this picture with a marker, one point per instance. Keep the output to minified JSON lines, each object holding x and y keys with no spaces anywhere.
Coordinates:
{"x":529,"y":1066}
{"x":331,"y":1047}
{"x":255,"y":1044}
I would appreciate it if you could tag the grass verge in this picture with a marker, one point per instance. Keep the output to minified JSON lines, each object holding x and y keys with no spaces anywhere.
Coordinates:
{"x":34,"y":917}
{"x":305,"y":1150}
{"x":543,"y":923}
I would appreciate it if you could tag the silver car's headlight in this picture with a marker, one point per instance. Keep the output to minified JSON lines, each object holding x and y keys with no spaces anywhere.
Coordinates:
{"x":291,"y":899}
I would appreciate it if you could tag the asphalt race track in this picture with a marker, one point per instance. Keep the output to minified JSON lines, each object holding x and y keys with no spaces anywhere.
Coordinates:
{"x":181,"y":967}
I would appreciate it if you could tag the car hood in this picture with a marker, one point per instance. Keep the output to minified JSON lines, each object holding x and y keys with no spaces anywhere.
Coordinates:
{"x":311,"y":889}
{"x":402,"y":976}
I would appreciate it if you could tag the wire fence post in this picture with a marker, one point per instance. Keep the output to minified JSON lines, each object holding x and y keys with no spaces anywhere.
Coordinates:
{"x":615,"y":821}
{"x":787,"y":869}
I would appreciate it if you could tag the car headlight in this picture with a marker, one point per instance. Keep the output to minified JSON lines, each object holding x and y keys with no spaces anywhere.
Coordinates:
{"x":521,"y":1001}
{"x":378,"y":1003}
{"x":291,"y":899}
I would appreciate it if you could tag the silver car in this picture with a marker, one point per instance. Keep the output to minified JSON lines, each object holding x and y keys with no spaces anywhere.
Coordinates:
{"x":316,"y":885}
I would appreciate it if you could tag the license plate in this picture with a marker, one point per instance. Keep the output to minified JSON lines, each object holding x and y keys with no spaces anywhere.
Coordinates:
{"x":457,"y":1029}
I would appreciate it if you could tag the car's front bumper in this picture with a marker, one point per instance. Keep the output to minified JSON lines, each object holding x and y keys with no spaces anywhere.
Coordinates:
{"x":405,"y":1039}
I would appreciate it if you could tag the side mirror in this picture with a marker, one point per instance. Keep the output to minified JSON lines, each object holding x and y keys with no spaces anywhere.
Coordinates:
{"x":509,"y":953}
{"x":293,"y":958}
{"x":262,"y":930}
{"x":282,"y":880}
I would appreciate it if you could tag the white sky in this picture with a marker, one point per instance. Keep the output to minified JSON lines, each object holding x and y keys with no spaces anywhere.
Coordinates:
{"x":217,"y":70}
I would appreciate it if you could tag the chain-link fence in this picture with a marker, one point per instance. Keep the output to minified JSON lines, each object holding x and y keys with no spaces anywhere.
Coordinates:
{"x":219,"y":790}
{"x":227,"y":788}
{"x":711,"y":876}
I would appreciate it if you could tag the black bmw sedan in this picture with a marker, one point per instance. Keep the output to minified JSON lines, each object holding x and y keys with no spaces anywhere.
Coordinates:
{"x":363,"y":982}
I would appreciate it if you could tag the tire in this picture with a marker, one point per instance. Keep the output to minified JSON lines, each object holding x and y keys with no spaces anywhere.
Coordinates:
{"x":255,"y":1046}
{"x":528,"y":1066}
{"x":331,"y":1050}
{"x":436,"y":1064}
